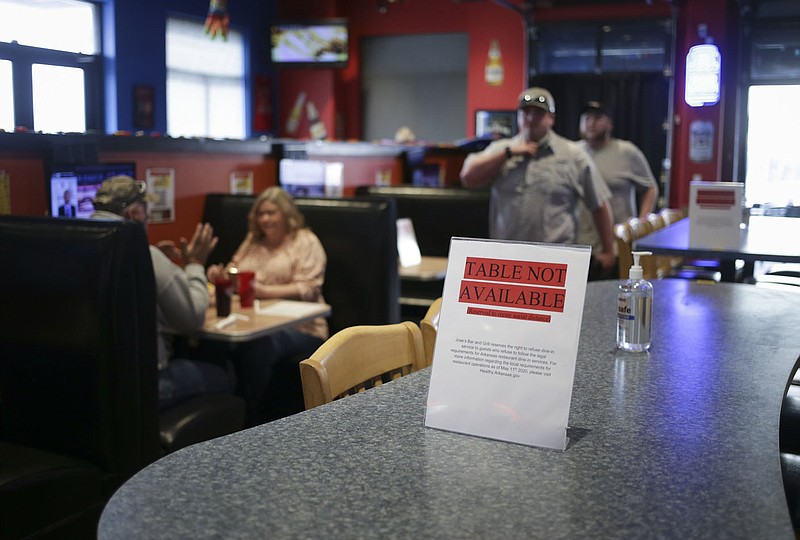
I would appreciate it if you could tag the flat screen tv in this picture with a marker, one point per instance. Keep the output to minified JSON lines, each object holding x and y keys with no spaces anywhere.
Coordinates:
{"x":322,"y":43}
{"x":71,"y":188}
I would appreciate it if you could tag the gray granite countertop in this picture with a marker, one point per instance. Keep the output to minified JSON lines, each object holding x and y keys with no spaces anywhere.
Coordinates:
{"x":678,"y":443}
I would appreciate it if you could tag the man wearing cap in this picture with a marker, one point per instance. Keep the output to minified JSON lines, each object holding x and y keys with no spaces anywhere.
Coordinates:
{"x":623,"y":167}
{"x":181,"y":293}
{"x":537,"y":179}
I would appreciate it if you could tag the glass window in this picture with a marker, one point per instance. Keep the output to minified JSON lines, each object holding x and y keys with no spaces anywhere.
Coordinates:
{"x":773,"y":163}
{"x":568,"y":49}
{"x":184,"y":116}
{"x":778,"y":8}
{"x":225,"y":108}
{"x":58,"y":99}
{"x":639,"y":46}
{"x":63,"y":25}
{"x":6,"y":96}
{"x":776,"y":51}
{"x":53,"y":49}
{"x":205,"y":82}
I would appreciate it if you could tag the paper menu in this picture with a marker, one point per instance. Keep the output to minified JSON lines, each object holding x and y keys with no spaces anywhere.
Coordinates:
{"x":507,"y":342}
{"x":407,"y":246}
{"x":286,"y":308}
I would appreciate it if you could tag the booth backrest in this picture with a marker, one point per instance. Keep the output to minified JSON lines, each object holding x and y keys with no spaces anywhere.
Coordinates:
{"x":360,"y":240}
{"x":438,"y":214}
{"x":78,"y":341}
{"x":228,"y":215}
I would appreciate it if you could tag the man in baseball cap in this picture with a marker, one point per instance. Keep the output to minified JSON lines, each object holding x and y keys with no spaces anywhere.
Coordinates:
{"x":537,"y":97}
{"x":117,"y":194}
{"x":182,"y":296}
{"x":624,"y":169}
{"x":538,"y":180}
{"x":596,"y":107}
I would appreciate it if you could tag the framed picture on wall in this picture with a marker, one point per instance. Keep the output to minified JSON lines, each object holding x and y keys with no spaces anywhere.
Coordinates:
{"x":496,"y":124}
{"x":143,"y":97}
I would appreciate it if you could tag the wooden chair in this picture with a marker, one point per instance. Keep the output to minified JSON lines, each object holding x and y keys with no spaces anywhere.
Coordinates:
{"x":671,"y":215}
{"x":625,"y":234}
{"x":655,"y":266}
{"x":624,"y":243}
{"x":639,"y":227}
{"x":429,"y":326}
{"x":665,"y":264}
{"x":359,"y":358}
{"x":656,"y":220}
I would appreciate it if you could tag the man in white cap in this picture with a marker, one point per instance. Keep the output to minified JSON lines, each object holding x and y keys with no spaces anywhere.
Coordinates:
{"x":538,"y":179}
{"x":181,"y":293}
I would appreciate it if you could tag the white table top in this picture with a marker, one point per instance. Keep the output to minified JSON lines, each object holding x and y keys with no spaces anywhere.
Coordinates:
{"x":248,"y":323}
{"x":430,"y":269}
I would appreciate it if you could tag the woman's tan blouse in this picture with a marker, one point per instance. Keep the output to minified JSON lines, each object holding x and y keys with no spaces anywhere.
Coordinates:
{"x":299,"y":260}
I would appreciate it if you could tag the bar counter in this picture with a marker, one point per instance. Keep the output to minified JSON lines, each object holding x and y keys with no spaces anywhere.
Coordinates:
{"x":678,"y":443}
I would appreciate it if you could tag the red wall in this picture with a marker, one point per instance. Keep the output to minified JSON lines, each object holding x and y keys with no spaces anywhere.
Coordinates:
{"x":318,"y":84}
{"x":196,"y":174}
{"x":482,"y":21}
{"x":713,"y":13}
{"x":27,"y":189}
{"x":339,"y":91}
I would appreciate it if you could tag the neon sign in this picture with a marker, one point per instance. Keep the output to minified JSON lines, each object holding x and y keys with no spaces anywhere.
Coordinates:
{"x":703,"y":65}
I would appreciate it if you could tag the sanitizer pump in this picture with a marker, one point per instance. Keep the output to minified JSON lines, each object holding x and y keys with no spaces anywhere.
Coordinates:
{"x":634,"y":309}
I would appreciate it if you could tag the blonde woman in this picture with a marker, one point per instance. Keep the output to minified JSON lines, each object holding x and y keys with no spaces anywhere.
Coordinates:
{"x":289,"y":263}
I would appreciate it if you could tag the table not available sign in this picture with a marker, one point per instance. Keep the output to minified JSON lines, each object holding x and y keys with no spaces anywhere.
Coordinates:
{"x":507,"y":342}
{"x":715,"y":211}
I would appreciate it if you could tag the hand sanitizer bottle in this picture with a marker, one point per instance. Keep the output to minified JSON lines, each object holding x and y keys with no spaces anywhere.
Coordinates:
{"x":634,"y":309}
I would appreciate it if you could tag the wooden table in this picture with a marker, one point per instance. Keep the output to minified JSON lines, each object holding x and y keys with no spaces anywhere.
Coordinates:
{"x":421,"y":284}
{"x":272,"y":316}
{"x":764,"y":239}
{"x":678,"y":443}
{"x":430,"y":269}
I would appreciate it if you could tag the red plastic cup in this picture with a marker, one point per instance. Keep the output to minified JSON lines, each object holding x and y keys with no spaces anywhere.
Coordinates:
{"x":247,"y":294}
{"x":223,"y":289}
